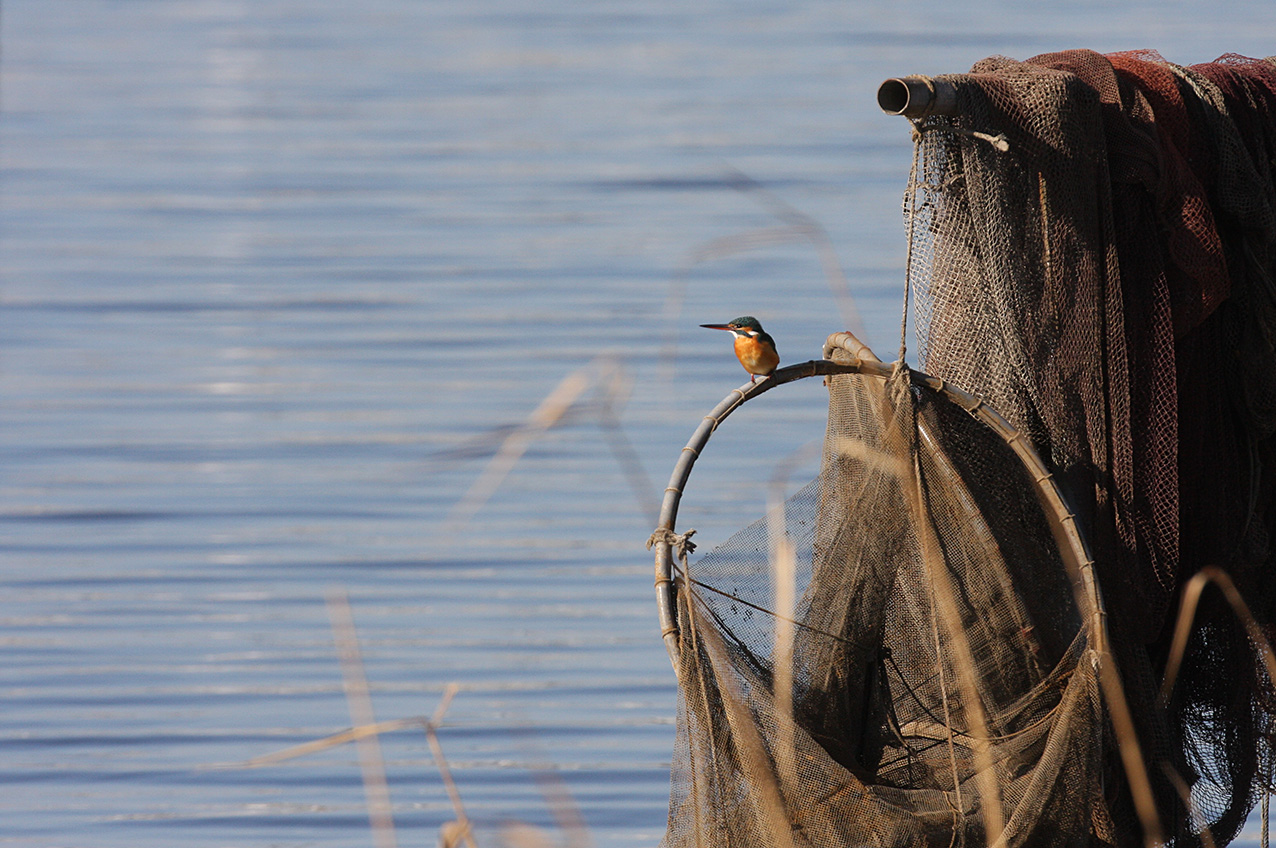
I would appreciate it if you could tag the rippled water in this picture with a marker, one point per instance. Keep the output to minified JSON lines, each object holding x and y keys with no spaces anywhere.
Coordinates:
{"x":279,"y":277}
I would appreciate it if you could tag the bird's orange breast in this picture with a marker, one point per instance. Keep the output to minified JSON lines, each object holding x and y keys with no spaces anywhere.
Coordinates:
{"x":756,"y":356}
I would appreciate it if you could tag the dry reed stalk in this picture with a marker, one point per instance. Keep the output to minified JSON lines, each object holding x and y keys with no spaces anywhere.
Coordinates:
{"x":1182,"y":630}
{"x":1187,"y":612}
{"x":463,"y":830}
{"x":784,"y":580}
{"x":903,"y":442}
{"x":345,"y":736}
{"x":547,"y":414}
{"x":375,"y":788}
{"x":1131,"y":751}
{"x":1185,"y":793}
{"x":811,"y":231}
{"x":558,"y":798}
{"x":796,"y":227}
{"x":753,"y":753}
{"x":352,"y":735}
{"x":562,"y":807}
{"x":874,"y":460}
{"x":611,"y":381}
{"x":366,"y":731}
{"x":615,"y":385}
{"x":520,"y":835}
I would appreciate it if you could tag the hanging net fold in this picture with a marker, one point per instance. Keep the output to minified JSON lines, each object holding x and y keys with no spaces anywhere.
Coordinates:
{"x":957,"y":634}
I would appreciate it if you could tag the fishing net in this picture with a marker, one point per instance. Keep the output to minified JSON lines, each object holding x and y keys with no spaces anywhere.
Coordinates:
{"x":917,"y":649}
{"x":937,"y":672}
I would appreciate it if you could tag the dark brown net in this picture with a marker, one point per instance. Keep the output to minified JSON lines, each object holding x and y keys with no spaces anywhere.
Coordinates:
{"x":1094,"y":242}
{"x":1118,"y":260}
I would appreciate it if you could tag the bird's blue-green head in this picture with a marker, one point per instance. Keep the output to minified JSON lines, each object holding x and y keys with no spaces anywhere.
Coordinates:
{"x":744,"y":325}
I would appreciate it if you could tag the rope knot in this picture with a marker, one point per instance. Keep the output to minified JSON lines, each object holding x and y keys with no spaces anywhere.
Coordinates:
{"x":900,"y":381}
{"x":680,"y":542}
{"x":998,"y":141}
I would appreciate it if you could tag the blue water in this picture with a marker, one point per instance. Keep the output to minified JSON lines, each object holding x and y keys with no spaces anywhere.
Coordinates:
{"x":276,"y":278}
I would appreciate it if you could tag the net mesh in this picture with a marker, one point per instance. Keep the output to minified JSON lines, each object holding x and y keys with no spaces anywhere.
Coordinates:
{"x":1102,"y":276}
{"x":936,"y":630}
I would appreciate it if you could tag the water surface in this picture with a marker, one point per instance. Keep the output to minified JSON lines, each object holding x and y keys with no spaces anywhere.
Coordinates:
{"x":277,"y":277}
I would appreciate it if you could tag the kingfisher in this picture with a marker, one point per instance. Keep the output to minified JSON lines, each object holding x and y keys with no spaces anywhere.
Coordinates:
{"x":753,"y":347}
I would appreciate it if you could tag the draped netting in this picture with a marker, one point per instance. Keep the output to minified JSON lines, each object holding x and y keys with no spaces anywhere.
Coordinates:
{"x":1093,"y":251}
{"x":937,"y":656}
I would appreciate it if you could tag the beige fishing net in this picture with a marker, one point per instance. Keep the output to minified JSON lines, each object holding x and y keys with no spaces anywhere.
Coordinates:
{"x":920,"y":651}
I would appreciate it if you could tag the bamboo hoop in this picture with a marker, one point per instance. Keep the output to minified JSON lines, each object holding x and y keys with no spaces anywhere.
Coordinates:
{"x":845,"y":354}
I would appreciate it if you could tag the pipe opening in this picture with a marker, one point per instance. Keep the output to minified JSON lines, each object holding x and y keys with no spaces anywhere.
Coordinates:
{"x":892,"y":97}
{"x":917,"y":96}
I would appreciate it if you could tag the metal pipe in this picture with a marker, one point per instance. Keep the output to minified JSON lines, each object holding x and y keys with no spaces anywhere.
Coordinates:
{"x":917,"y":96}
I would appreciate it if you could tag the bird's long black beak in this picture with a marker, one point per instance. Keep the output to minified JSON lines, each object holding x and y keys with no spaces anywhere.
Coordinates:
{"x":716,"y":326}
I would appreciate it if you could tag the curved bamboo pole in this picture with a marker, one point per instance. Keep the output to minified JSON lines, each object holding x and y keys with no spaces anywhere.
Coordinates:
{"x":666,"y":600}
{"x":854,"y":357}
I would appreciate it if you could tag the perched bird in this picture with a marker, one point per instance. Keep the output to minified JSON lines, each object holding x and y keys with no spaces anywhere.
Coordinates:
{"x":753,"y":347}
